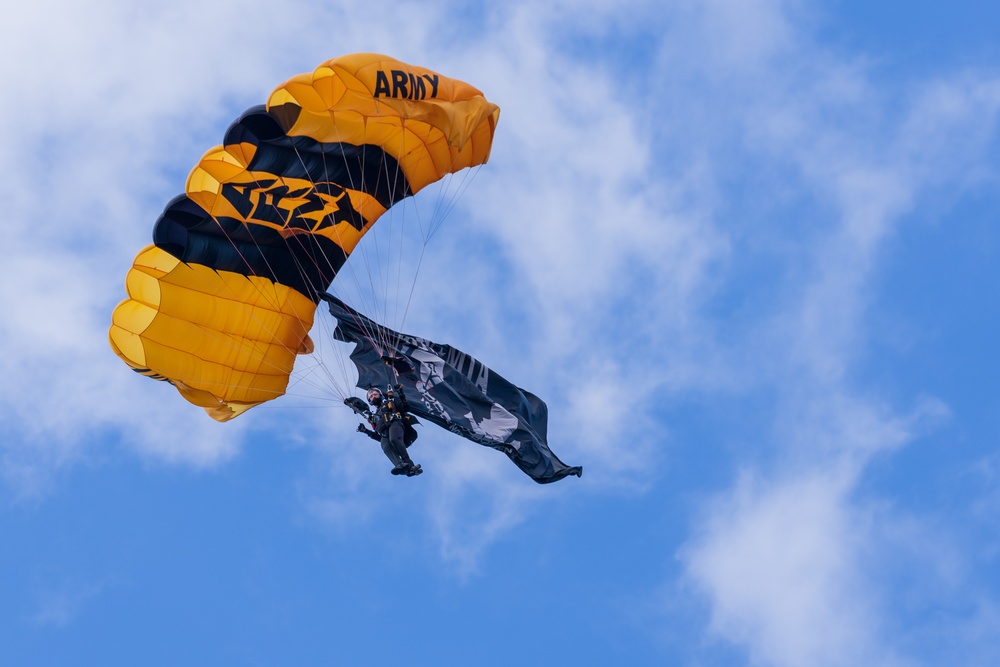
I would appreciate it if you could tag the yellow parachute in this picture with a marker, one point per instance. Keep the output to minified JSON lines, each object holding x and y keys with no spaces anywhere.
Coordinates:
{"x":222,"y":302}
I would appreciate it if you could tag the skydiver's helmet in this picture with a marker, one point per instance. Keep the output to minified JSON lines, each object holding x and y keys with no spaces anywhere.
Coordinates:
{"x":375,"y":396}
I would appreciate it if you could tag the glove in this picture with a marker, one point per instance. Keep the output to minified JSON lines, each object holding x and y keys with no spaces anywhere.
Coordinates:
{"x":399,"y":388}
{"x":361,"y":428}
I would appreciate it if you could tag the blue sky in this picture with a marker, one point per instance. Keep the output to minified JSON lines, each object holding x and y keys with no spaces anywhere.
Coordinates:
{"x":744,"y":250}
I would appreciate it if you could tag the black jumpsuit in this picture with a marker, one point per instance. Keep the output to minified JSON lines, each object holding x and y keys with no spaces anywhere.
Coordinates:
{"x":389,"y":420}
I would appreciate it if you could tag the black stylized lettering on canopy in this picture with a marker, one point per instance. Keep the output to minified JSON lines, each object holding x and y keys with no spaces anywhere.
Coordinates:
{"x":323,"y":172}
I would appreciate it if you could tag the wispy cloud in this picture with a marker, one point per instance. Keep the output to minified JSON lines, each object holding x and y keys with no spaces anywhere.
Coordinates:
{"x":779,"y":562}
{"x":59,"y":606}
{"x":784,"y":557}
{"x":712,"y":222}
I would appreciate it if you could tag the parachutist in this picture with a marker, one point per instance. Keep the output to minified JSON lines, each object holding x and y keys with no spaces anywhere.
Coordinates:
{"x":392,"y":425}
{"x":456,"y":392}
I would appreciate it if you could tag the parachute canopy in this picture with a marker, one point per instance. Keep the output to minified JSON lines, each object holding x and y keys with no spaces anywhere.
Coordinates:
{"x":222,"y":302}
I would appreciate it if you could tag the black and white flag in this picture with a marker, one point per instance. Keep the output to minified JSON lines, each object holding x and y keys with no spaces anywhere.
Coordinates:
{"x":453,"y":390}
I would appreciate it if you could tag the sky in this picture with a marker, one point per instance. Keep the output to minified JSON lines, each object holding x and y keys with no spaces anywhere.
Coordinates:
{"x":744,"y":249}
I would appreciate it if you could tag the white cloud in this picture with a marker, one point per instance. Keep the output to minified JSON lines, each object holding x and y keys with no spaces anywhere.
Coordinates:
{"x":476,"y":503}
{"x":779,"y":561}
{"x":790,"y":561}
{"x":787,"y":559}
{"x":611,"y":232}
{"x":60,"y":606}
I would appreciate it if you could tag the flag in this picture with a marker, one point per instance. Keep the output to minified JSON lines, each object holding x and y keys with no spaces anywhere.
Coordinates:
{"x":453,"y":390}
